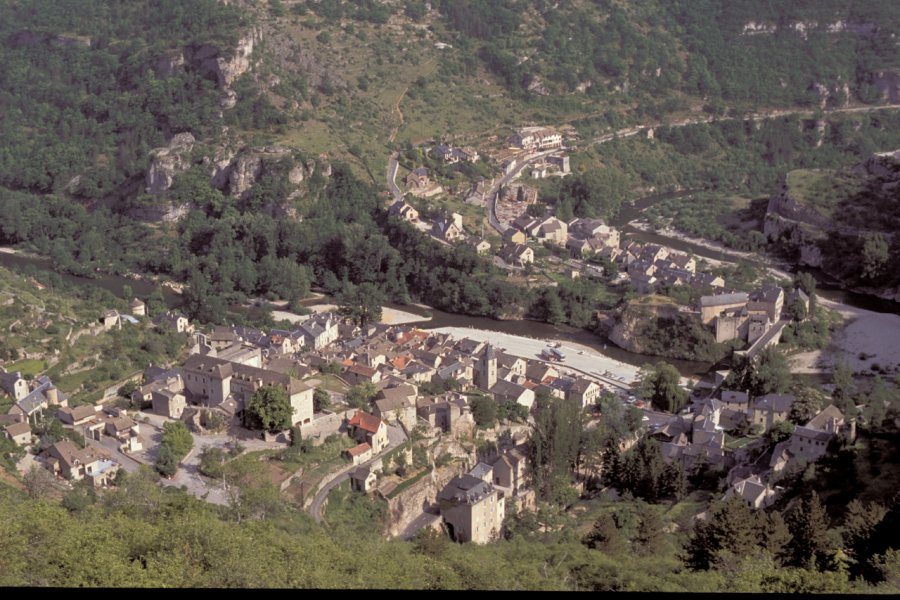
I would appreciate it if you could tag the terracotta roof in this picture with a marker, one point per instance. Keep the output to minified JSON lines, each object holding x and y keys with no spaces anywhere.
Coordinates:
{"x":361,"y":449}
{"x":18,"y":429}
{"x":365,"y":421}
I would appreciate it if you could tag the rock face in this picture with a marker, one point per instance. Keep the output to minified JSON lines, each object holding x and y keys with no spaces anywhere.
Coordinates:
{"x":238,"y":175}
{"x":793,"y":224}
{"x":209,"y":60}
{"x":627,"y":332}
{"x":169,"y":64}
{"x":168,"y":161}
{"x":887,"y":83}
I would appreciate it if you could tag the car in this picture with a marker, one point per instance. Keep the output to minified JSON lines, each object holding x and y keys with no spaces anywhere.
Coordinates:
{"x":645,"y":418}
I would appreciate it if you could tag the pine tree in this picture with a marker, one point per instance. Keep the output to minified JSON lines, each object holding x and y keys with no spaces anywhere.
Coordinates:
{"x":605,"y":536}
{"x":650,"y":531}
{"x":810,"y":546}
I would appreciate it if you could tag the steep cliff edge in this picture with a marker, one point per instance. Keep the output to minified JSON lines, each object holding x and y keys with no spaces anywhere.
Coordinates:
{"x":843,"y":222}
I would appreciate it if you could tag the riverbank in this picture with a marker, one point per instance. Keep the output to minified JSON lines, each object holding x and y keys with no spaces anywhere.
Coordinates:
{"x":582,"y":358}
{"x":674,"y":234}
{"x":868,"y":339}
{"x":389,"y":316}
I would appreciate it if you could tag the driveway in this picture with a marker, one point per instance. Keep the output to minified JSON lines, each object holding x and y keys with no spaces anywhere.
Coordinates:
{"x":395,"y":438}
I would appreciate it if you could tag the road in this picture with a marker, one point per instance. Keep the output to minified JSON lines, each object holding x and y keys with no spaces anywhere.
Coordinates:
{"x":495,"y":189}
{"x":628,"y":132}
{"x":395,"y":438}
{"x":392,"y":176}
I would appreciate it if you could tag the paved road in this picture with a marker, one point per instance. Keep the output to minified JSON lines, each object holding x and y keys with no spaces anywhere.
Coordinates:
{"x":392,"y":176}
{"x":630,"y":131}
{"x":495,"y":189}
{"x":395,"y":438}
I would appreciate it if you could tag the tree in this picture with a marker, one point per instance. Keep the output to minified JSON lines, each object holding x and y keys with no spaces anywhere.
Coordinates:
{"x":38,"y":482}
{"x":166,"y":461}
{"x":269,"y":408}
{"x":177,"y":437}
{"x":362,"y":303}
{"x":321,"y":399}
{"x":767,"y":373}
{"x":780,"y":432}
{"x":811,"y":546}
{"x":605,"y":536}
{"x":875,"y":255}
{"x":484,"y":411}
{"x":649,"y":532}
{"x":661,"y":384}
{"x":797,"y":310}
{"x":212,"y":461}
{"x":807,"y":404}
{"x":249,"y":491}
{"x":361,"y":394}
{"x":730,"y":527}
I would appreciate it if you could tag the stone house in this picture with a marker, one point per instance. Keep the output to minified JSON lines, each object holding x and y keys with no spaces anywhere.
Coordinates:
{"x":77,"y":416}
{"x":20,"y":433}
{"x":174,"y":321}
{"x":363,"y":480}
{"x":403,"y":211}
{"x":472,"y":510}
{"x":168,"y":403}
{"x":111,"y":319}
{"x":585,"y":391}
{"x":364,"y":427}
{"x":712,"y":306}
{"x":506,"y":391}
{"x":517,"y":254}
{"x":514,"y":236}
{"x":753,"y":492}
{"x":14,"y":384}
{"x":359,"y":454}
{"x":65,"y":459}
{"x":213,"y":381}
{"x":138,"y":308}
{"x":771,"y":409}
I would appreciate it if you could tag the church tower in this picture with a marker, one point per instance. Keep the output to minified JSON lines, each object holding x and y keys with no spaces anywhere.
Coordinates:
{"x":486,"y":371}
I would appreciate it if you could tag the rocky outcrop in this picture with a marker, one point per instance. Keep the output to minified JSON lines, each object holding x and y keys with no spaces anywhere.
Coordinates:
{"x":887,"y":85}
{"x":627,"y":332}
{"x":162,"y":211}
{"x":169,"y":64}
{"x":835,"y":95}
{"x":236,"y":176}
{"x":168,"y":161}
{"x":211,"y":61}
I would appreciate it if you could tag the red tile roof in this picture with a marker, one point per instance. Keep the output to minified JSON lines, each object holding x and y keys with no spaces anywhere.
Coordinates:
{"x":365,"y":421}
{"x":361,"y":449}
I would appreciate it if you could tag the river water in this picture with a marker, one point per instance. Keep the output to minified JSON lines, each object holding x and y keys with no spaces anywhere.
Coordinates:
{"x":534,"y":329}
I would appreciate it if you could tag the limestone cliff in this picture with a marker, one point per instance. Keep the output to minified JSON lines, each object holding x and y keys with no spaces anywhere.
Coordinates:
{"x":168,"y":161}
{"x":627,"y":332}
{"x":821,"y":218}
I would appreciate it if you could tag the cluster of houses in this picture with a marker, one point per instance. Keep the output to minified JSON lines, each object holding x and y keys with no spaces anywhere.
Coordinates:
{"x":473,"y":505}
{"x":650,"y":266}
{"x":697,"y":439}
{"x":755,"y":317}
{"x":39,"y":399}
{"x":448,"y":230}
{"x":452,"y":154}
{"x":581,"y":237}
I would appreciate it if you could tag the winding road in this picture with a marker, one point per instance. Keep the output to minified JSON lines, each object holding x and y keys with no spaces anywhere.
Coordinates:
{"x":395,"y":438}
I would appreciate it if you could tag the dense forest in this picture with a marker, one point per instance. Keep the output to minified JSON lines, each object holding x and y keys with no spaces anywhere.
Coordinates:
{"x":704,"y":49}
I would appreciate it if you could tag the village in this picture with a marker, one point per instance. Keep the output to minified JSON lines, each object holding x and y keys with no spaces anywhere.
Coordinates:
{"x":404,"y":403}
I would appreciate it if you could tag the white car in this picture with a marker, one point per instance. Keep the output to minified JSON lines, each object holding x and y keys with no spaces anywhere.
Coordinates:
{"x":645,"y":418}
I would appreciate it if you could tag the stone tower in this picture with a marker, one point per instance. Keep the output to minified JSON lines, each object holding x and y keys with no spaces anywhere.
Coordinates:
{"x":486,"y":371}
